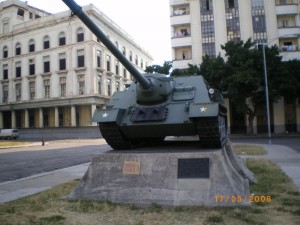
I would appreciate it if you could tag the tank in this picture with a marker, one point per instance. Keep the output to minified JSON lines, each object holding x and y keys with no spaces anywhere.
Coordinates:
{"x":156,"y":106}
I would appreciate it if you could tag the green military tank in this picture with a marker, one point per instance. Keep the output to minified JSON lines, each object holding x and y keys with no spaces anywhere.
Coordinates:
{"x":156,"y":106}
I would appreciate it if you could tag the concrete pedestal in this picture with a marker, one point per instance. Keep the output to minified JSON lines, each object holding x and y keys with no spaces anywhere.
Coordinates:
{"x":171,"y":178}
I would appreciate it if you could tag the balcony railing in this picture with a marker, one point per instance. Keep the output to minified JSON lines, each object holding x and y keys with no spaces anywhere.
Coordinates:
{"x":289,"y":48}
{"x":287,"y":2}
{"x":181,"y":34}
{"x":180,"y":12}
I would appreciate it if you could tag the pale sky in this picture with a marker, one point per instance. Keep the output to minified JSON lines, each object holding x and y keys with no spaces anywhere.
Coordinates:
{"x":148,"y":22}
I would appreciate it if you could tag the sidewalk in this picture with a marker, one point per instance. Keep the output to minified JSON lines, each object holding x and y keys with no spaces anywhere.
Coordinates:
{"x":286,"y":158}
{"x":12,"y":190}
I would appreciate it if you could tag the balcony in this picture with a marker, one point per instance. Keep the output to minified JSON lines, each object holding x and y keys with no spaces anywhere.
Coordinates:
{"x":287,"y":9}
{"x":289,"y":48}
{"x":288,"y":31}
{"x":181,"y":41}
{"x":183,"y":19}
{"x":178,"y":2}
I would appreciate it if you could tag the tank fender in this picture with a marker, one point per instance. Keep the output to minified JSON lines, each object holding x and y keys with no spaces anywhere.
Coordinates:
{"x":108,"y":115}
{"x":203,"y":110}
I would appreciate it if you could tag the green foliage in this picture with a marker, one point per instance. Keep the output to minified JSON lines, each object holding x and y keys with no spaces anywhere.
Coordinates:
{"x":164,"y":69}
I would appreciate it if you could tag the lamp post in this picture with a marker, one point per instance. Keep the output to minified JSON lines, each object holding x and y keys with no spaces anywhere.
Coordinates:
{"x":266,"y":92}
{"x":266,"y":81}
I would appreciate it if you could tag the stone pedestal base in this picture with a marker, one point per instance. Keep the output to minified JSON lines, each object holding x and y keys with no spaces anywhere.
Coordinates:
{"x":172,"y":178}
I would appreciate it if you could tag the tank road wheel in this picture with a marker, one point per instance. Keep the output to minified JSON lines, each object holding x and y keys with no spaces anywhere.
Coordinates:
{"x":113,"y":136}
{"x":212,"y":131}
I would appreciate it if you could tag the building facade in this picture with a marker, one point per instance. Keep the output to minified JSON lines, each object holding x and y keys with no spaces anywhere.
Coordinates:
{"x":200,"y":27}
{"x":53,"y":71}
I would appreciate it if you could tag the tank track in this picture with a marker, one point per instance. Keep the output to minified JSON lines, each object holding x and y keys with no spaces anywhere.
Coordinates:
{"x":212,"y":132}
{"x":113,"y":136}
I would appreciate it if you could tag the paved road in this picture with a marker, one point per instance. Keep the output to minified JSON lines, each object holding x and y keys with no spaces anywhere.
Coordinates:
{"x":16,"y":163}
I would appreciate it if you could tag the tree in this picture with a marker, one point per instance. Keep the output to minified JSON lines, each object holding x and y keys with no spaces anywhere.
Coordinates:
{"x":164,"y":69}
{"x":242,"y":75}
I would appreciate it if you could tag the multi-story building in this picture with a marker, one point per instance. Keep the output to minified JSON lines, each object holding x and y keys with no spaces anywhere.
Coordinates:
{"x":53,"y":71}
{"x":200,"y":27}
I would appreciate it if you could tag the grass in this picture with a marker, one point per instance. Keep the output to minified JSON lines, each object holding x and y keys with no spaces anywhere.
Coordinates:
{"x":49,"y":208}
{"x":249,"y":150}
{"x":12,"y":143}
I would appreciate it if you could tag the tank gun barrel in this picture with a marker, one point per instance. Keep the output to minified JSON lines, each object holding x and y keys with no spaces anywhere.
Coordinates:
{"x":77,"y":10}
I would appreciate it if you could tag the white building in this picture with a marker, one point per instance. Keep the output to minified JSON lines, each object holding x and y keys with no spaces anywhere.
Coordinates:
{"x":53,"y":70}
{"x":200,"y":27}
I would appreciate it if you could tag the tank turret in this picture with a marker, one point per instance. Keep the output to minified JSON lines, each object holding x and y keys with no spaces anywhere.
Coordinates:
{"x":156,"y":106}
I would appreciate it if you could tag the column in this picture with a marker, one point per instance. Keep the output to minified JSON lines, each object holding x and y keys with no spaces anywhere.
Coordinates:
{"x":93,"y":109}
{"x":13,"y":119}
{"x":298,"y":114}
{"x":26,"y":115}
{"x":227,"y":104}
{"x":73,"y":116}
{"x":1,"y":120}
{"x":41,"y":118}
{"x":56,"y":117}
{"x":279,"y":116}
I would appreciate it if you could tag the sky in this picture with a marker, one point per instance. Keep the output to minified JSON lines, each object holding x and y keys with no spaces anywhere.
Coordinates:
{"x":147,"y":22}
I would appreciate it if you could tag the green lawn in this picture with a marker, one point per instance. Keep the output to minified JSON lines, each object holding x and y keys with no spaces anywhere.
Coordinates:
{"x":50,"y":209}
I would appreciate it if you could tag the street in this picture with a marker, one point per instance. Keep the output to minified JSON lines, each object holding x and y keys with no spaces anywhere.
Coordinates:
{"x":16,"y":163}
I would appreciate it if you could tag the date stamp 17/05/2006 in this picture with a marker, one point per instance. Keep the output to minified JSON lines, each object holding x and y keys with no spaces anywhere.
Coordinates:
{"x":251,"y":198}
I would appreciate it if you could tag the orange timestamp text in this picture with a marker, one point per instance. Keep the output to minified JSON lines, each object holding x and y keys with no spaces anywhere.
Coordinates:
{"x":238,"y":198}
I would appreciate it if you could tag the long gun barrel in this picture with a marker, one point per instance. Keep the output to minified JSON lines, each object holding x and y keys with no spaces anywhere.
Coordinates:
{"x":77,"y":10}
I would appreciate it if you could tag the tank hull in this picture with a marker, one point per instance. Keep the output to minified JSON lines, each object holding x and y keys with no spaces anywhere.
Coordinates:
{"x":187,"y":111}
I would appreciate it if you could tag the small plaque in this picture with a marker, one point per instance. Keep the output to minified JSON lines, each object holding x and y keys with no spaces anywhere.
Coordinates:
{"x":131,"y":167}
{"x":193,"y":168}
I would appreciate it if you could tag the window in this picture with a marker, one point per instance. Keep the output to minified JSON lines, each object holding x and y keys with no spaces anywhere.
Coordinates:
{"x":5,"y":94}
{"x":18,"y":92}
{"x":124,"y":51}
{"x":108,"y":83}
{"x":99,"y":58}
{"x":80,"y":35}
{"x":99,"y":84}
{"x":5,"y":72}
{"x":125,"y":73}
{"x":117,"y":85}
{"x":20,"y":13}
{"x":136,"y":60}
{"x":46,"y":61}
{"x":62,"y":39}
{"x":108,"y":63}
{"x":32,"y":90}
{"x":30,"y":15}
{"x":62,"y":82}
{"x":31,"y":46}
{"x":80,"y":58}
{"x":231,"y":3}
{"x":45,"y":117}
{"x":117,"y":44}
{"x":47,"y":88}
{"x":62,"y":61}
{"x":5,"y":27}
{"x":18,"y":49}
{"x":31,"y":67}
{"x":117,"y":67}
{"x":18,"y":69}
{"x":142,"y":63}
{"x":130,"y":56}
{"x":5,"y":52}
{"x":46,"y":42}
{"x":81,"y":85}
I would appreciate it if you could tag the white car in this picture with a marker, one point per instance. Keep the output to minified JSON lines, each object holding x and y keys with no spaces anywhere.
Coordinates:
{"x":9,"y":133}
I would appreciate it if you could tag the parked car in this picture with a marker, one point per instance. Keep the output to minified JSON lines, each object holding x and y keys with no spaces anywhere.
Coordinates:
{"x":9,"y":133}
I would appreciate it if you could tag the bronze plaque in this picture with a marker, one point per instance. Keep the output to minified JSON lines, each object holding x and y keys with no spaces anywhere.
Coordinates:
{"x":131,"y":167}
{"x":193,"y":168}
